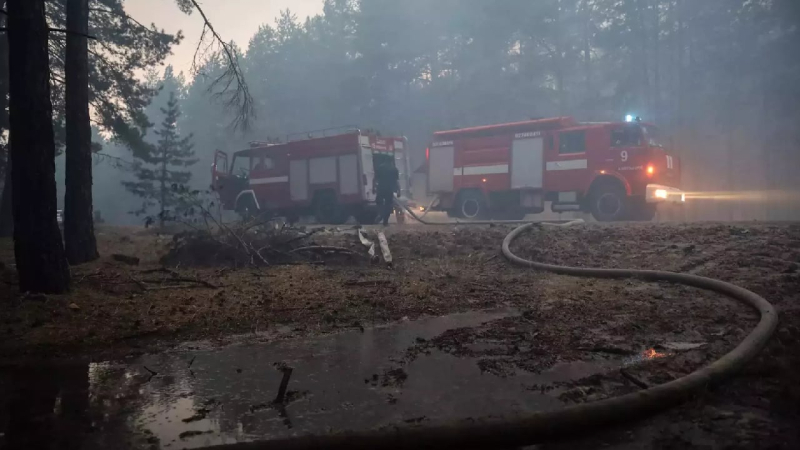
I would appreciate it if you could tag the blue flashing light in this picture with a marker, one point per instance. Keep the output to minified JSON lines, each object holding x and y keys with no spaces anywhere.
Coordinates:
{"x":629,"y":118}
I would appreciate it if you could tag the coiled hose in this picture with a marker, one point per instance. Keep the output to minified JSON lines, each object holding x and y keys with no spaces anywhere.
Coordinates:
{"x":572,"y":420}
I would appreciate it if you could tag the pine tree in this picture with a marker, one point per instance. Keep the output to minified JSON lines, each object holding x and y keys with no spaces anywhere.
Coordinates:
{"x":123,"y":48}
{"x":38,"y":250}
{"x":158,"y":173}
{"x":79,"y":240}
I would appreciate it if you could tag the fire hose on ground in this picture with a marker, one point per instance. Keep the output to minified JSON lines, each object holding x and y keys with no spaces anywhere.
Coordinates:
{"x":569,"y":421}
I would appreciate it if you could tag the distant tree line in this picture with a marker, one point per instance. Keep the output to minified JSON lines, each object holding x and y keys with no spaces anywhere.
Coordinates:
{"x":719,"y":75}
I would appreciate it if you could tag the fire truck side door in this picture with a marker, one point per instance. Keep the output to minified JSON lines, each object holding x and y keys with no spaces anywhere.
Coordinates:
{"x":367,"y":170}
{"x":527,"y":157}
{"x":219,"y":168}
{"x":348,"y":175}
{"x":298,"y":179}
{"x":567,"y":164}
{"x":441,"y":169}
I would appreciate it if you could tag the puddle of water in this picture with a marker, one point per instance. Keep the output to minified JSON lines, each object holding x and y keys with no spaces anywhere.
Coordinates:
{"x":213,"y":396}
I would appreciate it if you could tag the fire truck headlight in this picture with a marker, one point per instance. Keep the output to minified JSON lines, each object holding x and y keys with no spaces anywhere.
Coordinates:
{"x":629,"y":118}
{"x":661,"y":193}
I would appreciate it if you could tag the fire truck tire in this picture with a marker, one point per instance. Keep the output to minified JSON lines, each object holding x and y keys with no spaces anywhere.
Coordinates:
{"x":246,"y":208}
{"x":367,"y":217}
{"x":471,"y":205}
{"x":327,"y":209}
{"x":509,"y":215}
{"x":608,"y":202}
{"x":292,"y":218}
{"x":642,"y":212}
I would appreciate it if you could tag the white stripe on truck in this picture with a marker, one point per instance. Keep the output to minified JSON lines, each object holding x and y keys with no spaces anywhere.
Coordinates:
{"x":269,"y":180}
{"x":481,"y":170}
{"x":571,"y":164}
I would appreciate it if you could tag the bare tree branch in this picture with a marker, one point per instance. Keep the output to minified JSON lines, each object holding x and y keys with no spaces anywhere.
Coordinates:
{"x":126,"y":17}
{"x":235,"y":95}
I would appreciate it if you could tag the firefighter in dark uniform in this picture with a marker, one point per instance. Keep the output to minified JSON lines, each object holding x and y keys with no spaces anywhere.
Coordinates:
{"x":387,"y":181}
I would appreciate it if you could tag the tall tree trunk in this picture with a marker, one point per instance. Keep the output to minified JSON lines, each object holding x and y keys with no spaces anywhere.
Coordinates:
{"x":163,"y":187}
{"x":6,"y":217}
{"x":658,"y":113}
{"x":559,"y":62}
{"x":587,"y":51}
{"x":41,"y":263}
{"x":680,"y":84}
{"x":79,"y":239}
{"x":643,"y":59}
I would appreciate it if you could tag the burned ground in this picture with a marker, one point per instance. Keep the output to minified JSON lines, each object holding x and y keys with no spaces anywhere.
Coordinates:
{"x":663,"y":331}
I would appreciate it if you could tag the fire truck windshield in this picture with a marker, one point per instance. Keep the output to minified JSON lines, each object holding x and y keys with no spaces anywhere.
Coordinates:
{"x":240,"y":166}
{"x":653,"y":136}
{"x":627,"y":136}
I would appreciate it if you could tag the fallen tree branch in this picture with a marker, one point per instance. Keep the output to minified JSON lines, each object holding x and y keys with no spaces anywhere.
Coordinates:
{"x":629,"y":376}
{"x":195,"y":280}
{"x":287,"y":373}
{"x":367,"y":282}
{"x":152,"y":373}
{"x":324,"y":248}
{"x":608,"y":349}
{"x":163,"y":270}
{"x":138,"y":282}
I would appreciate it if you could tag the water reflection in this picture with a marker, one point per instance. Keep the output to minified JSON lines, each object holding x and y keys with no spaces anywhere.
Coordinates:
{"x":351,"y":380}
{"x":44,"y":408}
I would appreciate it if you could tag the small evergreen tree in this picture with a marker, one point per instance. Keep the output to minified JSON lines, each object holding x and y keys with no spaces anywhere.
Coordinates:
{"x":158,"y":174}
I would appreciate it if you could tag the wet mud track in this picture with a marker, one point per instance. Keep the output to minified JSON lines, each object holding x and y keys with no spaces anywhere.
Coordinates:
{"x":560,"y":340}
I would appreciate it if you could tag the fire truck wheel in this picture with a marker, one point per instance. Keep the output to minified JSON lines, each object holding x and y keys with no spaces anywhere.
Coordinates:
{"x":292,"y":218}
{"x":246,"y":207}
{"x":608,"y":202}
{"x":509,"y":215}
{"x":642,"y":212}
{"x":471,"y":205}
{"x":367,"y":217}
{"x":327,"y":209}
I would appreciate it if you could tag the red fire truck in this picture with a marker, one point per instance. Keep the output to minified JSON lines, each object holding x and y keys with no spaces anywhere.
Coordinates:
{"x":614,"y":170}
{"x":330,"y":176}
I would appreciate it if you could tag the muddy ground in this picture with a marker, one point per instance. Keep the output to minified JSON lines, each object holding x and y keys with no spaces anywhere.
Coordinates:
{"x":117,"y":308}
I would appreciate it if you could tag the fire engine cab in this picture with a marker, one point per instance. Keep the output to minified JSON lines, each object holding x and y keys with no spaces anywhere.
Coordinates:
{"x":330,"y":176}
{"x":614,"y":170}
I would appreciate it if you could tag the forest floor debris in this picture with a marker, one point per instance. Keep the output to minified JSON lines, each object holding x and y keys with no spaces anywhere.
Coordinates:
{"x":666,"y":331}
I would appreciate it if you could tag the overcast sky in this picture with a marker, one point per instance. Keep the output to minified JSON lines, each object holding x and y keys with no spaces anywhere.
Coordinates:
{"x":235,"y":20}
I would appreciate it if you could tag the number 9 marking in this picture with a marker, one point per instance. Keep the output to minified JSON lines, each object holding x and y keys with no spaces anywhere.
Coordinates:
{"x":624,"y":155}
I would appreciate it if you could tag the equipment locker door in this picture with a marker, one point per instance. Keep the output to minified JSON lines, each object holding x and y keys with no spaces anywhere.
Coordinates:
{"x":527,"y":159}
{"x":441,"y":169}
{"x":348,"y":174}
{"x":298,"y":180}
{"x":367,"y":171}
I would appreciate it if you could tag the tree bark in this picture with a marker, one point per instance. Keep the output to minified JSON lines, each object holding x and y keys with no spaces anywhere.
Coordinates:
{"x":6,"y":217}
{"x":559,"y":62}
{"x":39,"y":251}
{"x":658,"y":113}
{"x":79,"y":238}
{"x":587,"y":52}
{"x":642,"y":63}
{"x":163,"y":187}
